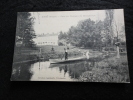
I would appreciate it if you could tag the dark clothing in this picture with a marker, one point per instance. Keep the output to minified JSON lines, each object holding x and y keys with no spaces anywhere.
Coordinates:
{"x":66,"y":55}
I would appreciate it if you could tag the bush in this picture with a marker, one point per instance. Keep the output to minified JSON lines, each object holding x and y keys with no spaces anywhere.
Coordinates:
{"x":106,"y":71}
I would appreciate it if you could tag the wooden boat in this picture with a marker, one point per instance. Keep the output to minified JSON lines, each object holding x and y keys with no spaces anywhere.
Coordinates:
{"x":68,"y":60}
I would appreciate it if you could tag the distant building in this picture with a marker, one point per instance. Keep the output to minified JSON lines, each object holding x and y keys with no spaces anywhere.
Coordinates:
{"x":46,"y":39}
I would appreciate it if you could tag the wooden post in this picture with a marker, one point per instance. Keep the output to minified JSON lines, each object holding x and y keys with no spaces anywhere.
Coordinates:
{"x":40,"y":52}
{"x":118,"y":52}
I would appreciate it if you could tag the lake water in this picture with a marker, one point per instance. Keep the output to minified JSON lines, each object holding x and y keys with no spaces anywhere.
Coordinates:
{"x":44,"y":71}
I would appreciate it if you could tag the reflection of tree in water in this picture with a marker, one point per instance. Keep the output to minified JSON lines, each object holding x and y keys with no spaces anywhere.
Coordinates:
{"x":76,"y":69}
{"x":60,"y":69}
{"x":22,"y":72}
{"x":65,"y":70}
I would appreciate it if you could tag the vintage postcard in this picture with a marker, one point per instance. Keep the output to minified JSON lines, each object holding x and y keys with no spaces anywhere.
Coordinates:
{"x":75,"y":46}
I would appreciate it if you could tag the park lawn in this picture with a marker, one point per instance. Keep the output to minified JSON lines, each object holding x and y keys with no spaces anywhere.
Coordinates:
{"x":108,"y":70}
{"x":58,"y":52}
{"x":60,"y":49}
{"x":30,"y":54}
{"x":57,"y":49}
{"x":20,"y":58}
{"x":48,"y":48}
{"x":25,"y":54}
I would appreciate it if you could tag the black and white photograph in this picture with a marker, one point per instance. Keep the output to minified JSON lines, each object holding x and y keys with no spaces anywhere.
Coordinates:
{"x":71,"y":46}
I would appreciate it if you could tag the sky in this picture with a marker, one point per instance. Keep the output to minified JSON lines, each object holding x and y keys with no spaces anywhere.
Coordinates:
{"x":56,"y":21}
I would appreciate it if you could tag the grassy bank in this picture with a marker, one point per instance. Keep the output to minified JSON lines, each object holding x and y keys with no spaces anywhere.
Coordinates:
{"x":108,"y":70}
{"x":59,"y":52}
{"x":24,"y":58}
{"x":47,"y":53}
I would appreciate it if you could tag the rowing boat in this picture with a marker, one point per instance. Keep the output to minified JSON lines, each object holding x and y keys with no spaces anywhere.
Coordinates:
{"x":68,"y":60}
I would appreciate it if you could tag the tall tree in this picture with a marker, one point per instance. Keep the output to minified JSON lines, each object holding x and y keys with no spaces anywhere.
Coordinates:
{"x":25,"y":32}
{"x":108,"y":22}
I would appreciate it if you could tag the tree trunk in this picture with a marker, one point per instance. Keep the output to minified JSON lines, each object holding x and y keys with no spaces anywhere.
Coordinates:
{"x":118,"y":52}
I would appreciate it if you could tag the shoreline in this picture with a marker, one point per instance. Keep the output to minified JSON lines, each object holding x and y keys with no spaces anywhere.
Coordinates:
{"x":25,"y":61}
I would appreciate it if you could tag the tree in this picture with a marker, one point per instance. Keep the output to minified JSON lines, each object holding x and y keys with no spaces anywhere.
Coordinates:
{"x":86,"y":34}
{"x":25,"y":32}
{"x":81,"y":34}
{"x":117,"y":42}
{"x":61,"y":35}
{"x":108,"y":22}
{"x":89,"y":33}
{"x":122,"y":34}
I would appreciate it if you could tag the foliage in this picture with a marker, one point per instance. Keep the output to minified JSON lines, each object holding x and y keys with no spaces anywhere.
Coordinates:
{"x":89,"y":33}
{"x":106,"y":71}
{"x":25,"y":32}
{"x":86,"y":34}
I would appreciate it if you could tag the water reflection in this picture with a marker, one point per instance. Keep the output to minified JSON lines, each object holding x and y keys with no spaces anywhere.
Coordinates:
{"x":21,"y":72}
{"x":44,"y":71}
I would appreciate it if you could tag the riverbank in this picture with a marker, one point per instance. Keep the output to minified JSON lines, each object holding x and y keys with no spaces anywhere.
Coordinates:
{"x":108,"y":70}
{"x":24,"y":58}
{"x":25,"y":61}
{"x":57,"y":53}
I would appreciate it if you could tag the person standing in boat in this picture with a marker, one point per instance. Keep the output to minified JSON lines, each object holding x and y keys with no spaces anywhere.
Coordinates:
{"x":66,"y":54}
